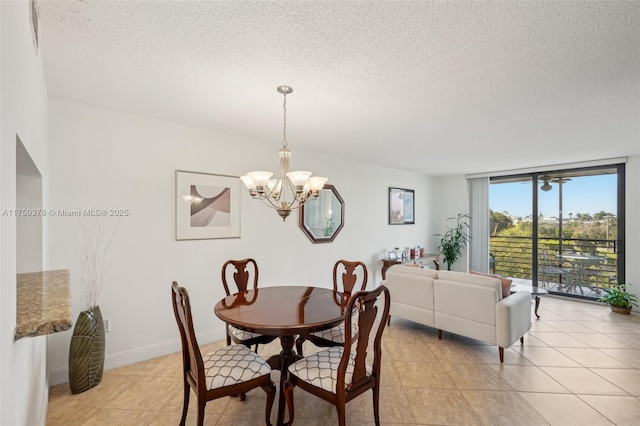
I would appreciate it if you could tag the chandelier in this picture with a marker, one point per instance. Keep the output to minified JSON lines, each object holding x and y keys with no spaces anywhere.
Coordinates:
{"x":289,"y":190}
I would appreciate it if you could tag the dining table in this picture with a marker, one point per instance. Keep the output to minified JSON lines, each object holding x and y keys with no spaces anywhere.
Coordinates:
{"x":580,"y":264}
{"x":286,"y":312}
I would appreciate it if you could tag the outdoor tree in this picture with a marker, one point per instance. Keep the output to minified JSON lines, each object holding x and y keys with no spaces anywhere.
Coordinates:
{"x":498,"y":222}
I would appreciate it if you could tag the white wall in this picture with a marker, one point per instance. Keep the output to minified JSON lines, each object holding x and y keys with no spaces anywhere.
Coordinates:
{"x":452,"y":193}
{"x":23,"y":389}
{"x":101,"y":157}
{"x":452,"y":199}
{"x":632,"y":235}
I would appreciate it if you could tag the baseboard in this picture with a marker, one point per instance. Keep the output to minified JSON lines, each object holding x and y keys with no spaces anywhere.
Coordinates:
{"x":121,"y":359}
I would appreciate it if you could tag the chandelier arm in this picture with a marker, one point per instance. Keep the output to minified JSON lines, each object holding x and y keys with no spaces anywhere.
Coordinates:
{"x":268,"y":200}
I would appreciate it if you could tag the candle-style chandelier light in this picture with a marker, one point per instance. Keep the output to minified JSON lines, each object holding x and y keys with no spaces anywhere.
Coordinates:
{"x":289,"y":190}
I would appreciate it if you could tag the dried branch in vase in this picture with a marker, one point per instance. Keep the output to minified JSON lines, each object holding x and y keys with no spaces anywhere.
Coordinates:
{"x":94,"y":236}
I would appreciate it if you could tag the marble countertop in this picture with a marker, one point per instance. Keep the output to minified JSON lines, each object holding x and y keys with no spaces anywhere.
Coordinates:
{"x":43,"y":303}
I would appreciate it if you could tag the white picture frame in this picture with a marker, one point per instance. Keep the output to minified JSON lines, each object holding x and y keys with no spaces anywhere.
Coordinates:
{"x":207,"y":206}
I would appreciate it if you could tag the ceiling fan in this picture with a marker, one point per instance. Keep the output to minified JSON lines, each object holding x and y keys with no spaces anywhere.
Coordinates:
{"x":547,"y":180}
{"x":546,"y":186}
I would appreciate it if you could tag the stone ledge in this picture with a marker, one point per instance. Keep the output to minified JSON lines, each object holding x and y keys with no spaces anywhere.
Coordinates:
{"x":43,"y":303}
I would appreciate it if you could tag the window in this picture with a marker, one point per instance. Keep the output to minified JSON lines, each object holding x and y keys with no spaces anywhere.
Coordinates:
{"x":562,"y":229}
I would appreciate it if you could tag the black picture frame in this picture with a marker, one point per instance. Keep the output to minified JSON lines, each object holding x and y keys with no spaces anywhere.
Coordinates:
{"x":401,"y":206}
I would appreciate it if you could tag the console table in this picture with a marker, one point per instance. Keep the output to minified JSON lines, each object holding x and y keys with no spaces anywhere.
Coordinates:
{"x":421,"y":261}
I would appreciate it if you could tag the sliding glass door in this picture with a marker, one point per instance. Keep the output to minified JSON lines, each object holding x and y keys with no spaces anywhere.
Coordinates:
{"x":562,"y":230}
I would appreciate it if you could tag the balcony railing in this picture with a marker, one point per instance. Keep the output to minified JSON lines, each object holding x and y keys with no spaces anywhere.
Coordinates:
{"x":588,"y":265}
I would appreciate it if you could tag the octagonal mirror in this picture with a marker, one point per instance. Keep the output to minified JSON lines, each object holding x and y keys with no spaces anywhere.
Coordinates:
{"x":321,"y":219}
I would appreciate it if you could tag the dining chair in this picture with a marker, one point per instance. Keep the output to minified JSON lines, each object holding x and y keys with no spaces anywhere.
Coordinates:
{"x":591,"y":268}
{"x":242,"y":272}
{"x":339,"y":374}
{"x":228,"y":371}
{"x":548,"y":269}
{"x":352,"y":275}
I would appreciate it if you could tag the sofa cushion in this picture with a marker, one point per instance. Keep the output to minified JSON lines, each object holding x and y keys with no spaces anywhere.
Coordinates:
{"x":407,"y":269}
{"x":461,"y":277}
{"x":464,"y":300}
{"x":411,"y":286}
{"x":411,"y":293}
{"x":506,"y":282}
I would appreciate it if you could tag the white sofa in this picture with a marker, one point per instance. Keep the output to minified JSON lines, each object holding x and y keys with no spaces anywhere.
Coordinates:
{"x":464,"y":304}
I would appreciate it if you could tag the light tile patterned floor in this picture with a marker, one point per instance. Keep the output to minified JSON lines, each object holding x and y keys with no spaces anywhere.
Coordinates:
{"x":579,"y":365}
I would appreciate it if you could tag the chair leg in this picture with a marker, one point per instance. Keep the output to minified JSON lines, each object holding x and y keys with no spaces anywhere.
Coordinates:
{"x":522,"y":340}
{"x":501,"y":351}
{"x":299,"y":342}
{"x":185,"y":404}
{"x":439,"y":334}
{"x":341,"y":408}
{"x":376,"y":402}
{"x":201,"y":403}
{"x":270,"y":389}
{"x":288,"y":397}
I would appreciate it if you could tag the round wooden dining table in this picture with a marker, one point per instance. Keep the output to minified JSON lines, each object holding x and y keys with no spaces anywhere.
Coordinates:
{"x":283,"y":311}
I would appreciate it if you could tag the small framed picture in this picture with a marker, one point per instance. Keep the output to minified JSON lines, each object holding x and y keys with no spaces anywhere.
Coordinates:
{"x":401,"y":206}
{"x":392,"y":255}
{"x":207,"y":206}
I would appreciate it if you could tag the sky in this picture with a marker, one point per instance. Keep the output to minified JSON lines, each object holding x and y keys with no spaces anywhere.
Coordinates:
{"x":586,"y":194}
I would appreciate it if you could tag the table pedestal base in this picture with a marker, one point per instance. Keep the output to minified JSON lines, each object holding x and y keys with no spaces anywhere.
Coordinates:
{"x":281,"y":362}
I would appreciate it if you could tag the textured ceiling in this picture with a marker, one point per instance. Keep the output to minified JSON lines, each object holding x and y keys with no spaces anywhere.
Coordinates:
{"x":436,"y":87}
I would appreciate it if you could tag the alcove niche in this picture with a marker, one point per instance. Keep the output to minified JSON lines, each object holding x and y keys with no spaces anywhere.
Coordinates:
{"x":43,"y":300}
{"x":29,"y":204}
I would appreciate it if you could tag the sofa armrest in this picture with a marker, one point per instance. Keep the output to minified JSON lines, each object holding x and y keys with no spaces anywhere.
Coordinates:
{"x":513,"y":318}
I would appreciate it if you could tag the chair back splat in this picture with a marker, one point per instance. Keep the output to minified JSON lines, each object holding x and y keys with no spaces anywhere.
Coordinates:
{"x":349,"y":276}
{"x":244,"y":269}
{"x":366,"y":306}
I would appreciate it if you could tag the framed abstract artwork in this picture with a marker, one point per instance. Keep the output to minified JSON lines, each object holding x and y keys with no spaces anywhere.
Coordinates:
{"x":401,"y":206}
{"x":207,"y":206}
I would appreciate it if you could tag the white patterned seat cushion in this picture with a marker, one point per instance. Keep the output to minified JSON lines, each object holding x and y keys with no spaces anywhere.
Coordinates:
{"x":321,"y":368}
{"x":233,"y":364}
{"x":337,"y":334}
{"x":241,"y":334}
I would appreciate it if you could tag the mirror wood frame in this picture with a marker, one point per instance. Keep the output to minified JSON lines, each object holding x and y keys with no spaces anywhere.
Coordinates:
{"x":307,"y":230}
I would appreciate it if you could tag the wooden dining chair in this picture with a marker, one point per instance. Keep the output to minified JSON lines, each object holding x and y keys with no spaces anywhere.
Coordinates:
{"x":339,"y":374}
{"x":353,"y":275}
{"x":231,"y":370}
{"x":242,"y":272}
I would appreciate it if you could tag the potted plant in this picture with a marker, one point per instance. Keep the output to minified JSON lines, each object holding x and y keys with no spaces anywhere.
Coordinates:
{"x":328,"y":226}
{"x":618,"y":299}
{"x":454,"y":240}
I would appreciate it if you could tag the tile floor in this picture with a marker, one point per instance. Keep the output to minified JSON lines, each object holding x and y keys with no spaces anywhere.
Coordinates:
{"x":579,"y":365}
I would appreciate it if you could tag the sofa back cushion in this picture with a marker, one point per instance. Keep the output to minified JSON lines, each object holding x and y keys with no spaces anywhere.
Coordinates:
{"x":481,"y":280}
{"x":506,"y":282}
{"x":411,"y":286}
{"x":475,"y":302}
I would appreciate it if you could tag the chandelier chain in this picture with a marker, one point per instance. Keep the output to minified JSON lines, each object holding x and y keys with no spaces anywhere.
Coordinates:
{"x":284,"y":121}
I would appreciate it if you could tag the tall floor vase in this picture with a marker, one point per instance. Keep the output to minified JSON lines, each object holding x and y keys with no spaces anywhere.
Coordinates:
{"x":86,"y":353}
